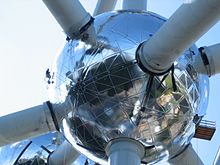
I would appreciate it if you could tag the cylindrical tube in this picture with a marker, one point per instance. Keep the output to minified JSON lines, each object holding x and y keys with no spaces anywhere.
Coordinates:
{"x":208,"y":60}
{"x":188,"y":156}
{"x":25,"y":124}
{"x":64,"y":154}
{"x":70,"y":14}
{"x":217,"y":158}
{"x":183,"y":28}
{"x":104,"y":6}
{"x":124,"y":151}
{"x":134,"y":5}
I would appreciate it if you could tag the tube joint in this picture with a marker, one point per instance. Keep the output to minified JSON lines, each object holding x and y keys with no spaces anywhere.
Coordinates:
{"x":146,"y":67}
{"x":205,"y":61}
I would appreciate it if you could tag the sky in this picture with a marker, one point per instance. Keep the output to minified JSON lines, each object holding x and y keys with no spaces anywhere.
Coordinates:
{"x":30,"y":38}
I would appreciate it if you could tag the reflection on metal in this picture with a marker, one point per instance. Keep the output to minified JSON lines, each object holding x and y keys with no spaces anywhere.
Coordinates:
{"x":33,"y":151}
{"x":22,"y":152}
{"x":38,"y":151}
{"x":106,"y":91}
{"x":205,"y":130}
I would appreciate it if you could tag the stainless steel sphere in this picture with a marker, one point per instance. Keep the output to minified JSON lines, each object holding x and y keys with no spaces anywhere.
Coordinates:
{"x":30,"y":151}
{"x":110,"y":96}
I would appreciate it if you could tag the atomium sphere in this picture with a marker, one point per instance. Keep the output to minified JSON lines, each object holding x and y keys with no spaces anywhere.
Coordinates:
{"x":111,"y":97}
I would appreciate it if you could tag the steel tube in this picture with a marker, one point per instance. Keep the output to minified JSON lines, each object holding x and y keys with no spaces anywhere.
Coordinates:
{"x":188,"y":156}
{"x":124,"y":151}
{"x":217,"y":158}
{"x":25,"y":124}
{"x":184,"y":27}
{"x":70,"y":14}
{"x":65,"y":154}
{"x":209,"y":61}
{"x":104,"y":6}
{"x":134,"y":5}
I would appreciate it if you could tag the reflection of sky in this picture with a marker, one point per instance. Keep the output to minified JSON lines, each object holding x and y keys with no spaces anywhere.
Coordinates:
{"x":81,"y":160}
{"x":9,"y":153}
{"x":29,"y":49}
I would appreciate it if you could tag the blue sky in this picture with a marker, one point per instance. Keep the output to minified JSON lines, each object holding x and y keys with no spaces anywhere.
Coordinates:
{"x":30,"y":39}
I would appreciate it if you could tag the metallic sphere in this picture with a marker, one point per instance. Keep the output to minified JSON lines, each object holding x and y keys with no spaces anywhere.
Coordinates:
{"x":30,"y":151}
{"x":111,"y":97}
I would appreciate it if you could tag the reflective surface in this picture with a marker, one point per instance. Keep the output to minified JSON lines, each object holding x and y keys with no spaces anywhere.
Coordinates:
{"x":110,"y":97}
{"x":31,"y":151}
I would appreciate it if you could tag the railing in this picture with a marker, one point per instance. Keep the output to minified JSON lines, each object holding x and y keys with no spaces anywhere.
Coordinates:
{"x":207,"y":123}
